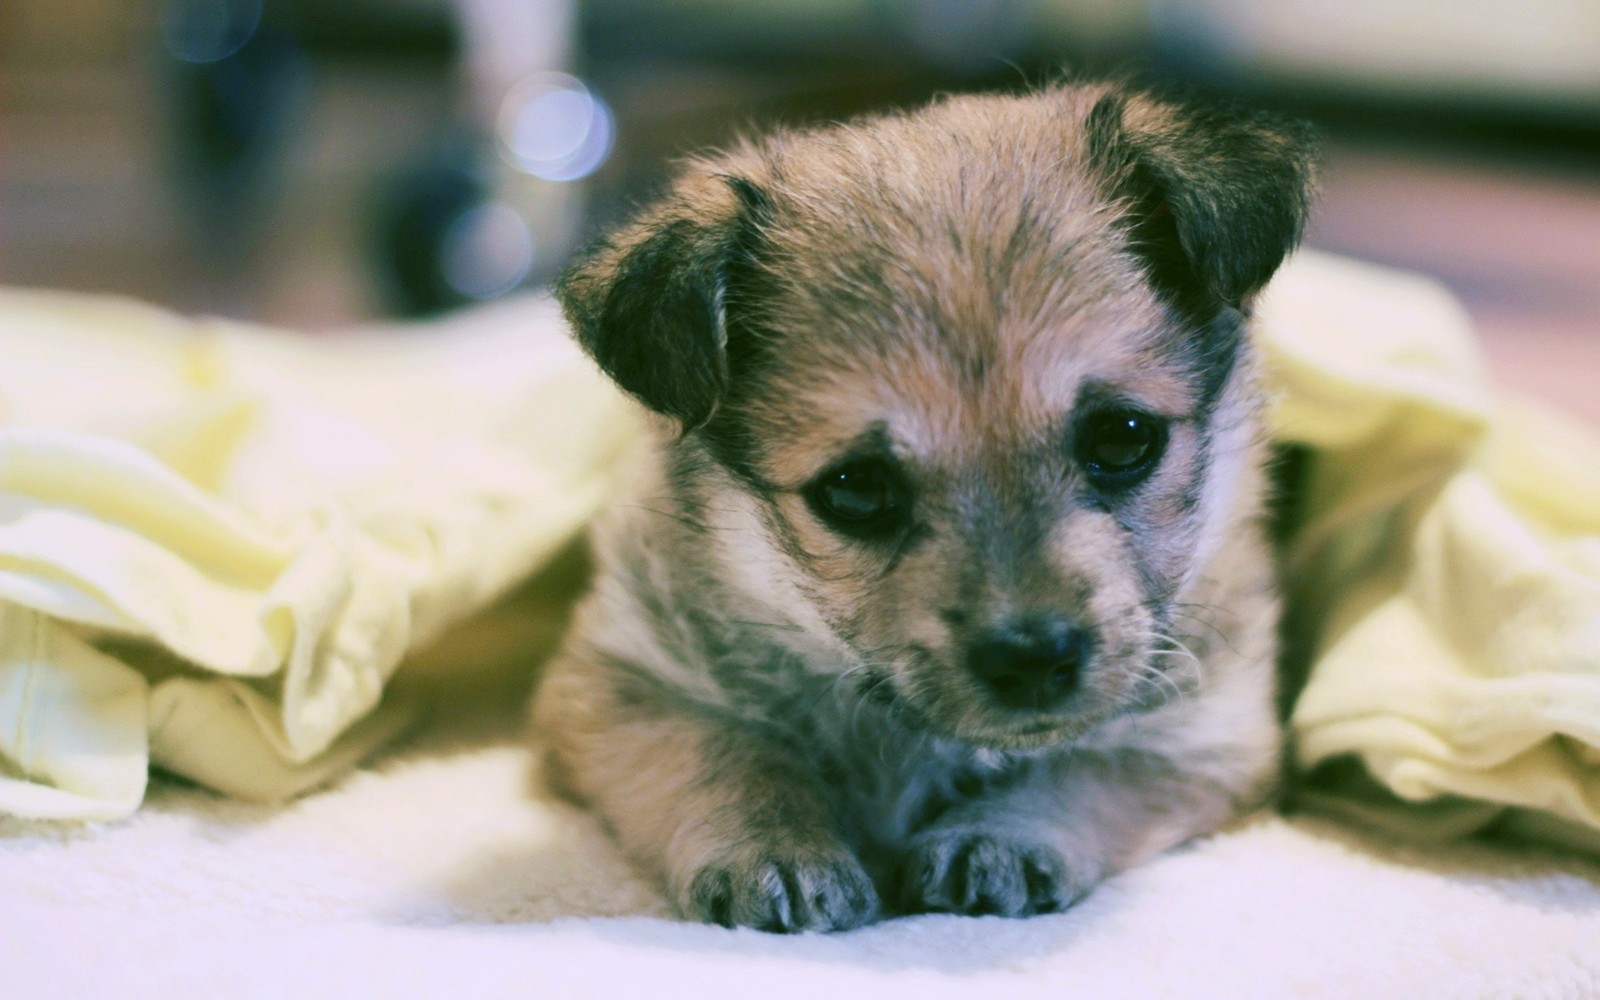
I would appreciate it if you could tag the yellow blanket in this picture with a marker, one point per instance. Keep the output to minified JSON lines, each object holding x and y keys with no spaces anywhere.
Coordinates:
{"x":217,"y":543}
{"x":1444,"y":564}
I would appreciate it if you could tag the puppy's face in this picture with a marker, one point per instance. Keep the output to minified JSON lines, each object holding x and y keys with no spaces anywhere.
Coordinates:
{"x":995,"y":524}
{"x":977,"y":375}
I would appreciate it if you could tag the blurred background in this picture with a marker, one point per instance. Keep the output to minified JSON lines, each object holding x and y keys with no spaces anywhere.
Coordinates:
{"x":315,"y":163}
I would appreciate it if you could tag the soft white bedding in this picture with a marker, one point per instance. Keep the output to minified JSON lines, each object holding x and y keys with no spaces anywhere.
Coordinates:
{"x":445,"y":869}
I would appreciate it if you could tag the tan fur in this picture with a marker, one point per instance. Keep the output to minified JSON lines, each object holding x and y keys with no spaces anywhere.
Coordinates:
{"x":797,"y":726}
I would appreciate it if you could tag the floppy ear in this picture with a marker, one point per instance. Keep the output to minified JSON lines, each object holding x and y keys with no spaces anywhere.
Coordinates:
{"x":1215,"y":197}
{"x":647,"y":303}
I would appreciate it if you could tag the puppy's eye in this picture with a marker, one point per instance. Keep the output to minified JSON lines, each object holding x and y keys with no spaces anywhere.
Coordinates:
{"x":862,"y":497}
{"x":1118,"y":446}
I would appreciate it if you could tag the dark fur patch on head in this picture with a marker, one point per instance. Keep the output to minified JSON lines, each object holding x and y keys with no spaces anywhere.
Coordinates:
{"x":1216,"y":196}
{"x":1212,"y":352}
{"x":649,"y":304}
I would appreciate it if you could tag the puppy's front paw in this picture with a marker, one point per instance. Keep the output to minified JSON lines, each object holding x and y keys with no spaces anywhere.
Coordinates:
{"x":973,"y":872}
{"x":787,"y":894}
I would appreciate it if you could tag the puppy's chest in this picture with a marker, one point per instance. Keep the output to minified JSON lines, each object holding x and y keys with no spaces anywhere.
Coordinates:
{"x":884,"y":780}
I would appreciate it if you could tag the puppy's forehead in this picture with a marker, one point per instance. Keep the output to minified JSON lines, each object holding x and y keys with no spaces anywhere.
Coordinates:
{"x":958,"y":284}
{"x":948,"y":219}
{"x":943,"y":413}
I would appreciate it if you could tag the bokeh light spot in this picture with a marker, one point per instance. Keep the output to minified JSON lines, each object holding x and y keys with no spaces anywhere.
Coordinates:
{"x":552,"y":127}
{"x":487,"y":251}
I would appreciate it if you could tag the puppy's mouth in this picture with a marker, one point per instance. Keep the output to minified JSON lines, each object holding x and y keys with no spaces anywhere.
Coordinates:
{"x":971,"y":717}
{"x":1032,"y":734}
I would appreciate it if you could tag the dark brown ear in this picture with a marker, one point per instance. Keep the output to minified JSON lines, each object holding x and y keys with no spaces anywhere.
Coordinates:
{"x":1215,"y":197}
{"x":647,"y":302}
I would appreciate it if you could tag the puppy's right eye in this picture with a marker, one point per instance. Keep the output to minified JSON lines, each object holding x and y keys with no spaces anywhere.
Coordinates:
{"x":1120,"y":446}
{"x":862,"y":498}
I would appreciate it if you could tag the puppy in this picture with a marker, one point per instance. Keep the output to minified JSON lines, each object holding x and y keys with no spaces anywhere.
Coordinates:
{"x":945,"y":587}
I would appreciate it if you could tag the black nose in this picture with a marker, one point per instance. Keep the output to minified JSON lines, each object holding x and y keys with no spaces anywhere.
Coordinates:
{"x":1032,"y":664}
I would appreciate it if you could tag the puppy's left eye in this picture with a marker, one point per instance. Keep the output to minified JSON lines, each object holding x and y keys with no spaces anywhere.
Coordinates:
{"x":862,"y":498}
{"x":1118,"y":446}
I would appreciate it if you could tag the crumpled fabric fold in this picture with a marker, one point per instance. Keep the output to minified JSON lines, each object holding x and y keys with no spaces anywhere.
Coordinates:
{"x":1444,"y":568}
{"x":218,"y":542}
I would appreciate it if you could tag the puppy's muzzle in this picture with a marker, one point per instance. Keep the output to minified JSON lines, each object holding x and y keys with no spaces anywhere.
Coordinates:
{"x":1032,"y":665}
